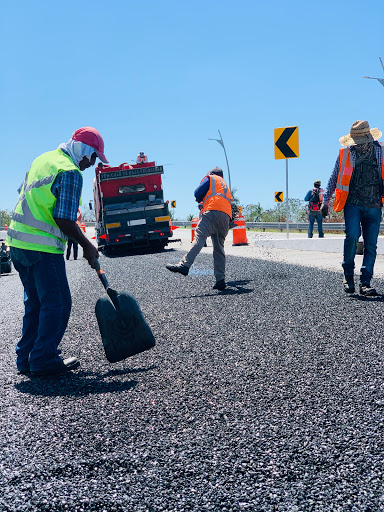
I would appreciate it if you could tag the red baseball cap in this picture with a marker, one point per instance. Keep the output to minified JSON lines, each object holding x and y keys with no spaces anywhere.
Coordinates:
{"x":91,"y":137}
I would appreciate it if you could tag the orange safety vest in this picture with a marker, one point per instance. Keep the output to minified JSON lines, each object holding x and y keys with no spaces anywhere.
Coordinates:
{"x":141,"y":159}
{"x":344,"y":178}
{"x":218,"y":196}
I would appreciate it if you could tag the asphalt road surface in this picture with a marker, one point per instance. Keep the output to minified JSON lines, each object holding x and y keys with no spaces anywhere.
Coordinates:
{"x":268,"y":396}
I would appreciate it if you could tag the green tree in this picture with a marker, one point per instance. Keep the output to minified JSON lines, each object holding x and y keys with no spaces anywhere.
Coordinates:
{"x":236,"y":200}
{"x":87,"y":214}
{"x":190,"y":216}
{"x":252,"y":212}
{"x":298,"y":212}
{"x":5,"y":217}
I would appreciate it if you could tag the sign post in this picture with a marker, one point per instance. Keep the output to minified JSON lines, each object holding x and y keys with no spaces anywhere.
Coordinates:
{"x":283,"y":150}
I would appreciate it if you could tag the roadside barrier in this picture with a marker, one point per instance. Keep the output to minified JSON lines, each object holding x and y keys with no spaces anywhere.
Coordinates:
{"x":240,"y":232}
{"x":194,"y":223}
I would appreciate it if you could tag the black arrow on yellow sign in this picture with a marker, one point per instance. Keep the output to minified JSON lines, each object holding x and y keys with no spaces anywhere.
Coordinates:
{"x":278,"y":197}
{"x":287,"y":142}
{"x":173,"y":204}
{"x":281,"y":143}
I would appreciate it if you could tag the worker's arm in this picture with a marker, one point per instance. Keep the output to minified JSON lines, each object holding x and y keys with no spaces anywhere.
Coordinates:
{"x":72,"y":230}
{"x":308,"y":195}
{"x":202,"y":190}
{"x":67,"y":190}
{"x":332,"y":182}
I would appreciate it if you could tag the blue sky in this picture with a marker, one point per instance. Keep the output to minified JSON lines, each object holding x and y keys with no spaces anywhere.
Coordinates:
{"x":164,"y":76}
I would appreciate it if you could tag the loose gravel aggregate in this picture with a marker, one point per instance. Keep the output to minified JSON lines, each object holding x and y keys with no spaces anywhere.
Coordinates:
{"x":268,"y":396}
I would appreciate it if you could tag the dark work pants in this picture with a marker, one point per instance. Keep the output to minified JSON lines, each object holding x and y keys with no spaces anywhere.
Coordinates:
{"x":75,"y":249}
{"x":367,"y":220}
{"x":47,"y":302}
{"x":319,"y":218}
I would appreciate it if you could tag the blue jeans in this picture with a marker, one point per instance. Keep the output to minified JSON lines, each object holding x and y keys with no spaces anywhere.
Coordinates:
{"x":47,"y":302}
{"x":312,"y":217}
{"x":367,"y":220}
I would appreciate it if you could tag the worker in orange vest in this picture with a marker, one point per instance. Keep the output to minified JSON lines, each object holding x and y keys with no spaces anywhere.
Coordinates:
{"x":141,"y":158}
{"x":71,"y":242}
{"x":358,"y":178}
{"x":216,"y":215}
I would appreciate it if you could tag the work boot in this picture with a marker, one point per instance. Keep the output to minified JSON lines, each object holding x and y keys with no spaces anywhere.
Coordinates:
{"x":58,"y":368}
{"x":365,"y":289}
{"x":220,"y":285}
{"x":180,"y":269}
{"x":349,"y":284}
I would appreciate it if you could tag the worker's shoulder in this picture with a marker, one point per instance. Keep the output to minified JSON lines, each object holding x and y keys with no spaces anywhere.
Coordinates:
{"x":57,"y":158}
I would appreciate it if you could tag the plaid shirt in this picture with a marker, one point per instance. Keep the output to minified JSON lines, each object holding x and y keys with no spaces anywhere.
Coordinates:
{"x":331,"y":187}
{"x":67,"y":190}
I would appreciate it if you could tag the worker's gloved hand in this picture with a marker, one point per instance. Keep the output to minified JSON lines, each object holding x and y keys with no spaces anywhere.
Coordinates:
{"x":324,"y":210}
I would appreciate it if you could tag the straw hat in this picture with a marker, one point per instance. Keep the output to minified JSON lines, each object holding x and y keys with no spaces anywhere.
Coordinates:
{"x":360,"y":133}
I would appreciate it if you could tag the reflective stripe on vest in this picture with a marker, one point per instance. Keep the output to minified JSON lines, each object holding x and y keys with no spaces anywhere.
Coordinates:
{"x":35,"y":239}
{"x":226,"y":205}
{"x":345,"y":155}
{"x":27,"y":216}
{"x":345,"y":176}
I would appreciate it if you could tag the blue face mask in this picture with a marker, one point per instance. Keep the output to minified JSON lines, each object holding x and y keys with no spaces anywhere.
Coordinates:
{"x":77,"y":150}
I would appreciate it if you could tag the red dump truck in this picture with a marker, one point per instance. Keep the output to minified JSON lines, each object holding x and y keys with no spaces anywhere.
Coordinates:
{"x":129,"y":206}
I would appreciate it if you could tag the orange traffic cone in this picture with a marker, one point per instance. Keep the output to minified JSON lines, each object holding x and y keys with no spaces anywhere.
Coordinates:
{"x":6,"y":227}
{"x":194,"y":223}
{"x":240,"y":232}
{"x":83,"y":226}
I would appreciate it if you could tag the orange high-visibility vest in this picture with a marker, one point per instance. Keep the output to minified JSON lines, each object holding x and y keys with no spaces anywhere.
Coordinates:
{"x":218,"y":196}
{"x":141,"y":159}
{"x":344,"y":178}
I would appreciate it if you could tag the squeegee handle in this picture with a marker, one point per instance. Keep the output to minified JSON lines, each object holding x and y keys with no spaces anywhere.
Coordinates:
{"x":101,"y":274}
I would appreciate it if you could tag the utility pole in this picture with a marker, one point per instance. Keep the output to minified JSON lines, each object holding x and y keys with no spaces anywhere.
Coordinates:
{"x":221,"y":142}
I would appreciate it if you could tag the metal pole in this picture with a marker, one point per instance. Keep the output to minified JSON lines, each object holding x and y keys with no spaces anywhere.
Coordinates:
{"x":225,"y":153}
{"x":221,"y":142}
{"x":286,"y":196}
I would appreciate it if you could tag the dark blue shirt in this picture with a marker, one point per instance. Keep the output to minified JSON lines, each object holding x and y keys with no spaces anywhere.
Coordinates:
{"x":202,"y":189}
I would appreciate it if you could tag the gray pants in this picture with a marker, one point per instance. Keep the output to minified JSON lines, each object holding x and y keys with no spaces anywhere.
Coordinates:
{"x":216,"y":225}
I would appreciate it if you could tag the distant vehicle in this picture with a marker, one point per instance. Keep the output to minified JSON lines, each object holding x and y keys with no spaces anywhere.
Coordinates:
{"x":381,"y":80}
{"x":129,"y":206}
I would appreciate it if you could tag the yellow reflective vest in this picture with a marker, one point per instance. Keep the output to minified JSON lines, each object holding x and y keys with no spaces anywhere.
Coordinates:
{"x":33,"y":226}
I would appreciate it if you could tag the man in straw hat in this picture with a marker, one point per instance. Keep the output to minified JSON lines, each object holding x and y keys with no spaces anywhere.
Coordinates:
{"x":358,"y":178}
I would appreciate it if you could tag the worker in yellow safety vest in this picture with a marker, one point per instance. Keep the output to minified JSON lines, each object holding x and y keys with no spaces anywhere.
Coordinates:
{"x":44,"y":217}
{"x":358,"y":178}
{"x":215,"y":217}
